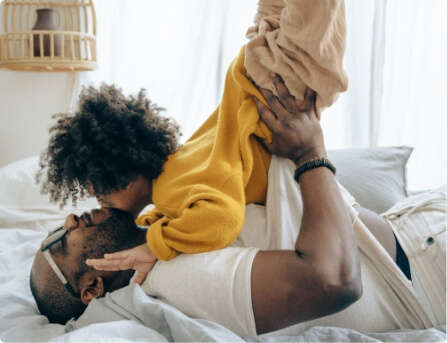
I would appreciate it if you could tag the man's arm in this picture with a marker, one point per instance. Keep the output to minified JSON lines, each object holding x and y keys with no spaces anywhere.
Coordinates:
{"x":322,"y":276}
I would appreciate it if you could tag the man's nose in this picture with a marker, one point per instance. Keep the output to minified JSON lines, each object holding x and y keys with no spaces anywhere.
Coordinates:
{"x":71,"y":222}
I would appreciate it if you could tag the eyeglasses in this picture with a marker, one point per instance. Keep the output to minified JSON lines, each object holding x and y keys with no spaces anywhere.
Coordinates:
{"x":54,"y":237}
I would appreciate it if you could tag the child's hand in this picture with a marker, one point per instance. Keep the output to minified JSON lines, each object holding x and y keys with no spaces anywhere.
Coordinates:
{"x":139,"y":258}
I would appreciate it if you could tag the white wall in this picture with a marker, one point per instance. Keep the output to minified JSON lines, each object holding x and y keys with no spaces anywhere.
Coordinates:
{"x":27,"y":102}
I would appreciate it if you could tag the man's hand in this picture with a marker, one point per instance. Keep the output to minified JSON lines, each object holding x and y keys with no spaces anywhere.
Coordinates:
{"x":297,"y":133}
{"x":139,"y":258}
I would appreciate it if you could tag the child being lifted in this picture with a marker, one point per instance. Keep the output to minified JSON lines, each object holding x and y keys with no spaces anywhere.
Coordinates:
{"x":121,"y":150}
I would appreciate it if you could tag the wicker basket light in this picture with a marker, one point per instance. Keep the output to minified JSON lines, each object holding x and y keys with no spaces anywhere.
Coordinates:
{"x":70,"y":45}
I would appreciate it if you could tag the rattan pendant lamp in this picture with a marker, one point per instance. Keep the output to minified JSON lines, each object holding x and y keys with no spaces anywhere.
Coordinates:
{"x":45,"y":35}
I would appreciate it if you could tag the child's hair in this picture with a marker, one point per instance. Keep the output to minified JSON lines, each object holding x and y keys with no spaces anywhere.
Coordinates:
{"x":106,"y":144}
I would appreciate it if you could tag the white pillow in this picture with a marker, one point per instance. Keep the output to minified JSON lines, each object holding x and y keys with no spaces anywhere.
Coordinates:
{"x":17,"y":185}
{"x":22,"y":205}
{"x":375,"y":176}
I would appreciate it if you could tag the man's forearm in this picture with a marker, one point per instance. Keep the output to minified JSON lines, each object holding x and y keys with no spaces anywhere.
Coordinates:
{"x":326,"y":235}
{"x":323,"y":276}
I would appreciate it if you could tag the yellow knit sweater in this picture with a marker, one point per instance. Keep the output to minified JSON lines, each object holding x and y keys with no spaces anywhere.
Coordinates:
{"x":200,"y":197}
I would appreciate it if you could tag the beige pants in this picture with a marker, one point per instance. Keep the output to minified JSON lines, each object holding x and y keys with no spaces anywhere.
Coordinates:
{"x":304,"y":42}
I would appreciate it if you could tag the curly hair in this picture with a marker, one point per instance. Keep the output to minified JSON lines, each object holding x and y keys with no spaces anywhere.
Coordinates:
{"x":110,"y":141}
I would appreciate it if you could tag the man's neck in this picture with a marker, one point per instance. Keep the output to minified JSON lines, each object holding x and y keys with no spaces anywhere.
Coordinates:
{"x":141,"y":237}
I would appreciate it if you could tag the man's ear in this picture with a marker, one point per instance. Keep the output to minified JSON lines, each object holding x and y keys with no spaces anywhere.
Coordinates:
{"x":91,"y":288}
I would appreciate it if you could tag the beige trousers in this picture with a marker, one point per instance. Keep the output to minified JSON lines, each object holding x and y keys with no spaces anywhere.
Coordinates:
{"x":304,"y":42}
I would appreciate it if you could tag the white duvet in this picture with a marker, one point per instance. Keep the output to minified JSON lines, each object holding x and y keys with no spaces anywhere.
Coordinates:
{"x":127,"y":315}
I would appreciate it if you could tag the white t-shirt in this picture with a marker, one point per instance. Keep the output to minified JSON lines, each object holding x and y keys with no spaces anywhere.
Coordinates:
{"x":216,"y":285}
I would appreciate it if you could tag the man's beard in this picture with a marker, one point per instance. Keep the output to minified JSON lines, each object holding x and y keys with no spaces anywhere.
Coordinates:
{"x":119,"y":232}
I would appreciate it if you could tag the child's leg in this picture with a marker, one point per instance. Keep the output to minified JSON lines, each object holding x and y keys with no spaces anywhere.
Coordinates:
{"x":304,"y":43}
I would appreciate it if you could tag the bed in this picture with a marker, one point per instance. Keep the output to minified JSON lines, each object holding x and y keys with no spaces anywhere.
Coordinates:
{"x":375,"y":176}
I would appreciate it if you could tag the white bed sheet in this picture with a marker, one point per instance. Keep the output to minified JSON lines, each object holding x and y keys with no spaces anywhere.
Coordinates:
{"x":21,"y":322}
{"x":124,"y":316}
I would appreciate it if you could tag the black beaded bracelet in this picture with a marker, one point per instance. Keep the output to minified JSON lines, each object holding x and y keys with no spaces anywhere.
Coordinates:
{"x":316,"y":163}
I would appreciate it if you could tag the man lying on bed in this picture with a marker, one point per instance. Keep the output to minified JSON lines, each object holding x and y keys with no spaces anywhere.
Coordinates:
{"x":245,"y":289}
{"x":326,"y":276}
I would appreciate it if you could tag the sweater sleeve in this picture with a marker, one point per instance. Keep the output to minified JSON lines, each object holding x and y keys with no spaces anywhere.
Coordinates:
{"x":150,"y":217}
{"x":303,"y":42}
{"x":209,"y":219}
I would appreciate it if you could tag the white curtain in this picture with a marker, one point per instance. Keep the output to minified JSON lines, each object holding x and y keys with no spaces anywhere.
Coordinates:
{"x":396,"y":60}
{"x":179,"y":51}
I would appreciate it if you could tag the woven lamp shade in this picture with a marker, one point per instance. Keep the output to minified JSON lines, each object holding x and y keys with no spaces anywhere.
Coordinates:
{"x":28,"y":42}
